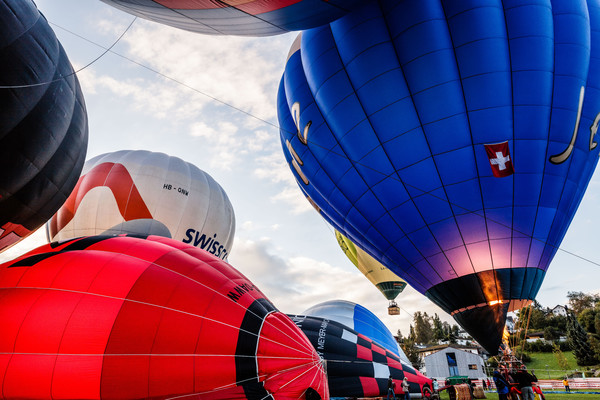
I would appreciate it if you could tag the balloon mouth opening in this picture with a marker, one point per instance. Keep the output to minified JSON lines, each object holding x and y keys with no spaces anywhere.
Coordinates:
{"x":513,"y":304}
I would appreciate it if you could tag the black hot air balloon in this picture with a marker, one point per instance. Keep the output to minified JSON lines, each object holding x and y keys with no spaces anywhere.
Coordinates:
{"x":43,"y":122}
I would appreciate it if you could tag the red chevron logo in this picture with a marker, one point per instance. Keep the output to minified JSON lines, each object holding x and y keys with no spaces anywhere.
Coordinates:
{"x":112,"y":175}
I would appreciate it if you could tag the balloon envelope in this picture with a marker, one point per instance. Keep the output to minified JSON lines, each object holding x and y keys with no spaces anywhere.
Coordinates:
{"x":453,"y":141}
{"x":361,"y":320}
{"x":388,"y":283}
{"x":43,"y":122}
{"x":243,"y":18}
{"x":356,"y":365}
{"x":124,"y":318}
{"x":143,"y":192}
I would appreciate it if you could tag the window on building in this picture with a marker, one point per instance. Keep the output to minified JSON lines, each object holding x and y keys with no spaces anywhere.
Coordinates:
{"x":452,"y":364}
{"x":472,"y":366}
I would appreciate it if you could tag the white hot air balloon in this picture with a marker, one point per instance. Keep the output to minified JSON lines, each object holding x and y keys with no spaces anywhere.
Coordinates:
{"x":142,"y":192}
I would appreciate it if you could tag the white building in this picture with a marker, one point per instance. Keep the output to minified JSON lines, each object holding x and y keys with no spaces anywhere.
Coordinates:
{"x":444,"y":361}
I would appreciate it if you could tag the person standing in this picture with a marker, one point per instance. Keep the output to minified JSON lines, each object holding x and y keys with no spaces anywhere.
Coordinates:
{"x":391,"y":388}
{"x":483,"y":384}
{"x":406,"y":389}
{"x":436,"y":385}
{"x":525,"y":381}
{"x":501,"y":386}
{"x":566,"y":384}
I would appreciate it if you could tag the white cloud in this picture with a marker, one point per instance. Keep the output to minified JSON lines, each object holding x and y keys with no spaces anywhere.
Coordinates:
{"x":297,"y":283}
{"x":242,"y":72}
{"x":294,"y":197}
{"x":274,"y":168}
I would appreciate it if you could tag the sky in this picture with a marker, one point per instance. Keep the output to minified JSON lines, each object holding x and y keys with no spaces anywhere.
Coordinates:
{"x":211,"y":101}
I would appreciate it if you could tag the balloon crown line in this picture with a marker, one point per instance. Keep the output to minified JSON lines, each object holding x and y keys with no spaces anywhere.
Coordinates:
{"x":106,"y":50}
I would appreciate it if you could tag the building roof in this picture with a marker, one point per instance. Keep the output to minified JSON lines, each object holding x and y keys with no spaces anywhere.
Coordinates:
{"x":444,"y":346}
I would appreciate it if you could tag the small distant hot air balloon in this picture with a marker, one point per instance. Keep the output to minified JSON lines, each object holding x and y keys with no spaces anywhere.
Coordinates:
{"x":361,"y":320}
{"x":356,"y":365}
{"x":143,"y":192}
{"x":242,"y":18}
{"x":451,"y":140}
{"x":388,"y":283}
{"x":43,"y":122}
{"x":132,"y":318}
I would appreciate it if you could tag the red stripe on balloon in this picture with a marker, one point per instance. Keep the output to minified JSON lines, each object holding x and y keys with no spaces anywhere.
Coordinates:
{"x":112,"y":175}
{"x":249,"y":7}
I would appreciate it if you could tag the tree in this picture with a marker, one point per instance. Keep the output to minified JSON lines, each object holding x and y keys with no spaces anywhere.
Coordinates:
{"x":587,"y":319}
{"x":551,"y":333}
{"x":423,"y":330}
{"x":579,"y":301}
{"x":438,"y":328}
{"x":409,"y":346}
{"x":557,"y":321}
{"x":455,"y":330}
{"x":578,"y":338}
{"x":561,"y":360}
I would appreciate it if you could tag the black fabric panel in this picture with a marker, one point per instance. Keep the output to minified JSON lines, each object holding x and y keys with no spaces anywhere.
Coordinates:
{"x":77,"y":244}
{"x":84,"y":243}
{"x":245,"y":361}
{"x":379,"y":358}
{"x":364,"y":342}
{"x":31,"y":261}
{"x":457,"y":293}
{"x":340,"y":387}
{"x":485,"y":324}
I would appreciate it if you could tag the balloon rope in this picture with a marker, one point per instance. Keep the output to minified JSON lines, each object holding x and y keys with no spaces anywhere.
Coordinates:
{"x":239,"y":383}
{"x":316,"y":365}
{"x":518,"y":327}
{"x":145,"y":355}
{"x":74,"y":72}
{"x":309,"y":354}
{"x":249,"y":114}
{"x":526,"y":330}
{"x":223,"y":102}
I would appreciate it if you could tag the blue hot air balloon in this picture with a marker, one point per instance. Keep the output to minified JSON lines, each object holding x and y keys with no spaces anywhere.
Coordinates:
{"x":451,"y":140}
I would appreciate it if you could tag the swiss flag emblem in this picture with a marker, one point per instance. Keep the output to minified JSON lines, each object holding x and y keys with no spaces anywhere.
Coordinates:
{"x":500,"y":160}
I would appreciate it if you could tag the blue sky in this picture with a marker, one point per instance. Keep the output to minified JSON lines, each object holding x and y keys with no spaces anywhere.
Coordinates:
{"x":151,"y":96}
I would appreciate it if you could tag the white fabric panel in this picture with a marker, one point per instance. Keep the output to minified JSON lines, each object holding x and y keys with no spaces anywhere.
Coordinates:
{"x":349,"y":336}
{"x":381,"y":371}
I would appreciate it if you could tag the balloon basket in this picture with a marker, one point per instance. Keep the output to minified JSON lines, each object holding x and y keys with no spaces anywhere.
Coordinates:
{"x":393,"y":309}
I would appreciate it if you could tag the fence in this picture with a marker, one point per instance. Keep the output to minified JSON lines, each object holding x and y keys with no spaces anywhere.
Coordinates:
{"x":556,"y":384}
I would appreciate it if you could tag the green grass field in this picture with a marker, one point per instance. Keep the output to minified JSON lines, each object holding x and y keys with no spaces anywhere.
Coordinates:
{"x":549,"y":396}
{"x":540,"y":360}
